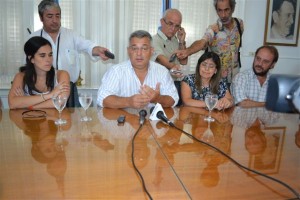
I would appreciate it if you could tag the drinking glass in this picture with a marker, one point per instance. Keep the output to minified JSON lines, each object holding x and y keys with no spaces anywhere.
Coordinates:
{"x":85,"y":100}
{"x":60,"y":140}
{"x":211,"y":101}
{"x":86,"y":136}
{"x":208,"y":135}
{"x":59,"y":103}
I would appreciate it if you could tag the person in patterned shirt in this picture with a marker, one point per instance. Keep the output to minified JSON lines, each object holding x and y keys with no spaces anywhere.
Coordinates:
{"x":206,"y":79}
{"x":222,"y":37}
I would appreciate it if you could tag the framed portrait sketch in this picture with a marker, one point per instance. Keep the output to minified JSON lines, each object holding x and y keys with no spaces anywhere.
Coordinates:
{"x":269,"y":161}
{"x":282,"y":22}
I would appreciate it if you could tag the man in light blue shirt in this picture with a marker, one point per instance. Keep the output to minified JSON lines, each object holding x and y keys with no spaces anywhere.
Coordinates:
{"x":138,"y":82}
{"x":249,"y":88}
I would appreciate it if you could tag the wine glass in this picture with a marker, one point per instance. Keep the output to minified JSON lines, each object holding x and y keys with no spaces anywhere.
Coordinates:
{"x":211,"y":101}
{"x":60,"y":140}
{"x":59,"y":103}
{"x":86,"y":136}
{"x":208,"y":135}
{"x":85,"y":100}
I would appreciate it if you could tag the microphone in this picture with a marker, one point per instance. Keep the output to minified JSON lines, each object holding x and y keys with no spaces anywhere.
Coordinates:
{"x":143,"y":114}
{"x":160,"y":115}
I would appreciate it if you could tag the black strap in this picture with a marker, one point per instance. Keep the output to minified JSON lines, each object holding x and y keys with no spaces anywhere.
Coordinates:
{"x":57,"y":48}
{"x":241,"y":33}
{"x":239,"y":28}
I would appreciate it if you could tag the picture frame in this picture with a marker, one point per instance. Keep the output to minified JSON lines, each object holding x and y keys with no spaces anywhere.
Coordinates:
{"x":269,"y":161}
{"x":275,"y":19}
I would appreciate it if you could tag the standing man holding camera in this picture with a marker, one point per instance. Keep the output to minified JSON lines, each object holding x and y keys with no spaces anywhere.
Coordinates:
{"x":224,"y":38}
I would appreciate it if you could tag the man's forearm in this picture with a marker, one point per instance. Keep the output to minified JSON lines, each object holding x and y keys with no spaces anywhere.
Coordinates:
{"x":116,"y":102}
{"x":196,"y":46}
{"x":247,"y":103}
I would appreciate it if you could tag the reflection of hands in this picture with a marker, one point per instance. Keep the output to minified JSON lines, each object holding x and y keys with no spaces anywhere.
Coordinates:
{"x":104,"y":144}
{"x":220,"y":116}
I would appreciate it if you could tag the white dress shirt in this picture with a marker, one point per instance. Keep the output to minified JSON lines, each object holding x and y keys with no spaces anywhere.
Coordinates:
{"x":68,"y":44}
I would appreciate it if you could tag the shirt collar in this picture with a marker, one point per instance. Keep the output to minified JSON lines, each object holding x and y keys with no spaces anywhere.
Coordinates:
{"x":255,"y":77}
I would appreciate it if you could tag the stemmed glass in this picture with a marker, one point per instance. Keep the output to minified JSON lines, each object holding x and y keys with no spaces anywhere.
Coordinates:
{"x":85,"y":100}
{"x":59,"y":103}
{"x":208,"y":135}
{"x":60,"y":140}
{"x":211,"y":101}
{"x":85,"y":134}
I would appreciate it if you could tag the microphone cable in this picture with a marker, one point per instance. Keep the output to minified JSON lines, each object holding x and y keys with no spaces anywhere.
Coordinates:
{"x":133,"y":163}
{"x":237,"y":163}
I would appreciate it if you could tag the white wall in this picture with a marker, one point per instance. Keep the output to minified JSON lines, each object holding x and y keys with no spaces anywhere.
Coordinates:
{"x":254,"y":19}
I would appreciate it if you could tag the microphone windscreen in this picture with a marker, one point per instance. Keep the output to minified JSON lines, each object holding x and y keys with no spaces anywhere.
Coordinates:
{"x":279,"y":87}
{"x":143,"y":113}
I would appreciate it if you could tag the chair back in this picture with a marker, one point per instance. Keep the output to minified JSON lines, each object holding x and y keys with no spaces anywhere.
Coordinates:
{"x":73,"y":100}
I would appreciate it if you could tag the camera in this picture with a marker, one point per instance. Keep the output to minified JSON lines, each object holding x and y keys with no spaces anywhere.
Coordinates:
{"x":283,"y":93}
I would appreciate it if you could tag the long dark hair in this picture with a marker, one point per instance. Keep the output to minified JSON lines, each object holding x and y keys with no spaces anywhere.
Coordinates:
{"x":215,"y":79}
{"x":30,"y":77}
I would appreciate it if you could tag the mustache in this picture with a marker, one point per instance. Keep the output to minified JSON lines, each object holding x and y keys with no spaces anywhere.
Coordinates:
{"x":259,"y":67}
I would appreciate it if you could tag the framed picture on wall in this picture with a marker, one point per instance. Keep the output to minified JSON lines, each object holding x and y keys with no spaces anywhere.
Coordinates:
{"x":282,"y":22}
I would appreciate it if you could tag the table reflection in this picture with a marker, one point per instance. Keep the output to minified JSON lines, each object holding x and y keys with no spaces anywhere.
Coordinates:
{"x":108,"y":120}
{"x":297,"y":137}
{"x":46,"y":146}
{"x":263,"y":141}
{"x":92,"y":160}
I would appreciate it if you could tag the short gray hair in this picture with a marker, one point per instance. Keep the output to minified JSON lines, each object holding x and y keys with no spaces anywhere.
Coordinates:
{"x":172,"y":10}
{"x":231,"y":3}
{"x":140,"y":34}
{"x":46,"y":4}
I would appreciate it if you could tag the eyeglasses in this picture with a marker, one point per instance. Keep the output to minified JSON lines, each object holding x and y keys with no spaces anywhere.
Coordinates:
{"x":137,"y":49}
{"x":171,"y":24}
{"x":205,"y":65}
{"x":34,"y":114}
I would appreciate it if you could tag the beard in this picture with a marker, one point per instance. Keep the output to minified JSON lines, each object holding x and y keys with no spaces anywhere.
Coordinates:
{"x":226,"y":21}
{"x":262,"y":72}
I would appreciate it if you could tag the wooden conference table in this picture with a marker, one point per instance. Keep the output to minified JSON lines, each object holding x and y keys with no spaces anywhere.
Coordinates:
{"x":92,"y":160}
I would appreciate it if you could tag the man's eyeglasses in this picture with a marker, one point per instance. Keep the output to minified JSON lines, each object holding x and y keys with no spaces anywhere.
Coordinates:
{"x":205,"y":65}
{"x":171,"y":24}
{"x":136,"y":49}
